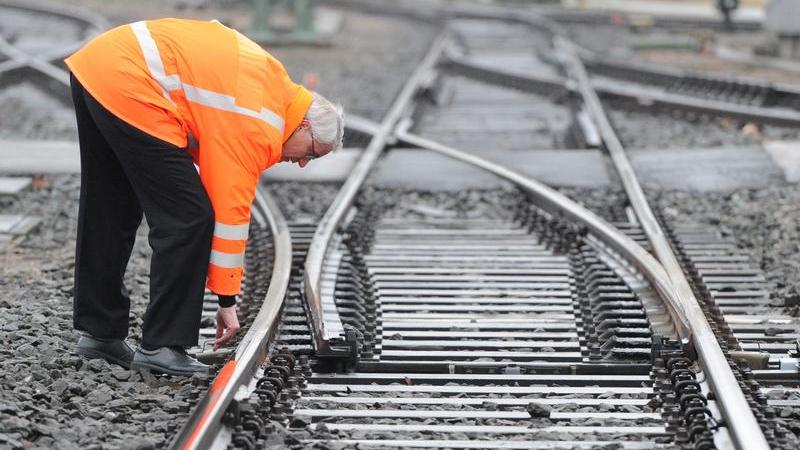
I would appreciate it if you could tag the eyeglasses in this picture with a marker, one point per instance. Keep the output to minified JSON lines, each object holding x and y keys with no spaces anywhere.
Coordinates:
{"x":313,"y":155}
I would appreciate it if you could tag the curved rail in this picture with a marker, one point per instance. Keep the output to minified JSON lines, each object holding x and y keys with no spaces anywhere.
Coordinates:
{"x":201,"y":428}
{"x":18,"y":59}
{"x":326,"y":327}
{"x":22,"y":59}
{"x":742,"y":424}
{"x":556,"y":203}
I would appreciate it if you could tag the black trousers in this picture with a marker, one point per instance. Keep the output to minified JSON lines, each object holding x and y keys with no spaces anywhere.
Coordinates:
{"x":124,"y":173}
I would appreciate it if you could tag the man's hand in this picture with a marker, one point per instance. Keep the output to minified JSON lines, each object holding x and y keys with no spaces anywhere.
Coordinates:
{"x":227,"y":325}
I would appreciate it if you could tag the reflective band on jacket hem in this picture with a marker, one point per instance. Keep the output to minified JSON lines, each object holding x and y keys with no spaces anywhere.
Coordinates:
{"x":233,"y":232}
{"x":227,"y":260}
{"x":193,"y":93}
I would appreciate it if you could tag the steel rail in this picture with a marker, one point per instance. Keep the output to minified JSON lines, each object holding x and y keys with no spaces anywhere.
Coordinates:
{"x":631,"y":18}
{"x":45,"y":67}
{"x":328,"y":341}
{"x":652,"y":70}
{"x":14,"y":64}
{"x":557,"y":204}
{"x":423,"y":10}
{"x":777,"y":116}
{"x":544,"y":85}
{"x":742,"y":424}
{"x":19,"y":59}
{"x":205,"y":421}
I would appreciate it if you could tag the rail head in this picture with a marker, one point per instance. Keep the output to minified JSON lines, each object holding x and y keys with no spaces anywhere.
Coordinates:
{"x":325,"y":323}
{"x":741,"y":422}
{"x":203,"y":424}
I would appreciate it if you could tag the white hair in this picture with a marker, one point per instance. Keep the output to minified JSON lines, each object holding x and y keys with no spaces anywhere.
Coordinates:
{"x":327,"y":121}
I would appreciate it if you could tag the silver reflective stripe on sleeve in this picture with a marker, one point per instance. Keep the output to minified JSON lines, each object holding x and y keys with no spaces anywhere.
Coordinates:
{"x":228,"y":103}
{"x":193,"y":93}
{"x":227,"y":260}
{"x":153,"y":59}
{"x":233,"y":232}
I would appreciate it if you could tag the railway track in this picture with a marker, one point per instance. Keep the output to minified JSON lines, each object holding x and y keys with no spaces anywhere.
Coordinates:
{"x":635,"y":83}
{"x":529,"y":329}
{"x":28,"y":56}
{"x":525,"y":322}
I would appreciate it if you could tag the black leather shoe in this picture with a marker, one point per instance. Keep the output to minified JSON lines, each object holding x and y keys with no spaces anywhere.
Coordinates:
{"x":115,"y":351}
{"x":168,"y":360}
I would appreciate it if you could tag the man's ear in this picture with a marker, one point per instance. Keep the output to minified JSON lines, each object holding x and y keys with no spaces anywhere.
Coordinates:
{"x":305,"y":123}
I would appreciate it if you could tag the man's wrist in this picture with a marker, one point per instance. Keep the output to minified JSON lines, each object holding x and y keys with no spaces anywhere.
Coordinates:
{"x":226,"y":301}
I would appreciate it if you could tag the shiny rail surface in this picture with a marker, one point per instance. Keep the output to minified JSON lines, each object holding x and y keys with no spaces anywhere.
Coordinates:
{"x":205,"y":421}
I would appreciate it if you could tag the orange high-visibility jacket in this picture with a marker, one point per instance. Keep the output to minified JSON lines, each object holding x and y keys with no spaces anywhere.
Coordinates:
{"x":171,"y":78}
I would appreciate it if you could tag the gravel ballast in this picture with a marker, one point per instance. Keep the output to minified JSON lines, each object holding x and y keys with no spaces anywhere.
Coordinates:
{"x":648,"y":130}
{"x":370,"y":59}
{"x":51,"y":398}
{"x":763,"y":222}
{"x":29,"y":112}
